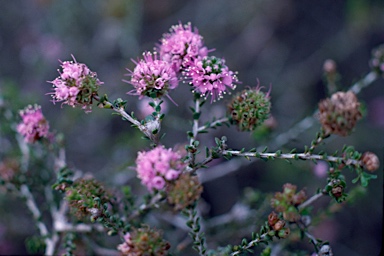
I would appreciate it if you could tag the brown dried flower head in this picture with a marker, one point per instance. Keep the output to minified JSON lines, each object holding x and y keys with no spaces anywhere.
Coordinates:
{"x":184,"y":191}
{"x":339,"y":114}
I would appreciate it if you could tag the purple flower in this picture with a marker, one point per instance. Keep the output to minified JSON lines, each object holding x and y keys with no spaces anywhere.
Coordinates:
{"x":152,"y":77}
{"x":34,"y":126}
{"x":210,"y":76}
{"x":157,"y":166}
{"x":182,"y":46}
{"x":76,"y":85}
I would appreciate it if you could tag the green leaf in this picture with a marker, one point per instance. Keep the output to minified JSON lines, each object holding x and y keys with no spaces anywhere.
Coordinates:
{"x":365,"y":177}
{"x":196,"y":115}
{"x":356,"y":179}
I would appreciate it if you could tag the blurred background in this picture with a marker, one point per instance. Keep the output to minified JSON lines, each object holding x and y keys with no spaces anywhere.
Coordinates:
{"x":281,"y":43}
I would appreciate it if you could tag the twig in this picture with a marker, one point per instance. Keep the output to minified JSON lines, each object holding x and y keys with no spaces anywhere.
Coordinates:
{"x":126,"y":116}
{"x":303,"y":156}
{"x":249,"y":245}
{"x":32,"y":206}
{"x":311,"y":200}
{"x":213,"y":124}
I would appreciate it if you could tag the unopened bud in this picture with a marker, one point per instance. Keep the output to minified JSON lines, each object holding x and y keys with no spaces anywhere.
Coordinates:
{"x":279,"y":225}
{"x":330,"y":66}
{"x":370,"y":161}
{"x":284,"y":233}
{"x":272,"y":219}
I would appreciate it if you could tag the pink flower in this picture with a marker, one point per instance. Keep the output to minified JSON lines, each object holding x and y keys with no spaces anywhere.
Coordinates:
{"x":182,"y":46}
{"x":157,"y":166}
{"x":33,"y":126}
{"x":152,"y":77}
{"x":76,"y":85}
{"x":210,"y":76}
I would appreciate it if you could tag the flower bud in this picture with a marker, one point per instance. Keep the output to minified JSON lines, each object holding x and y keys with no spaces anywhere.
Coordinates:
{"x":370,"y":161}
{"x":249,"y":109}
{"x":330,"y":66}
{"x":279,"y":225}
{"x":284,"y":233}
{"x":272,"y":219}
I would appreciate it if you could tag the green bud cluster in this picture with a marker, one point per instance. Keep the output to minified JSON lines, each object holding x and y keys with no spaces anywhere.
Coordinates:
{"x":145,"y":241}
{"x":86,"y":196}
{"x":249,"y":109}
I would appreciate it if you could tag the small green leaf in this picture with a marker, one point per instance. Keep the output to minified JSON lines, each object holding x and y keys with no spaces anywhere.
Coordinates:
{"x":196,"y":115}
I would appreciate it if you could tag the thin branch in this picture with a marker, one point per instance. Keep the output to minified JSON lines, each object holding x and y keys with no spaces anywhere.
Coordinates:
{"x":120,"y":110}
{"x":32,"y":206}
{"x":302,"y":156}
{"x":213,"y":124}
{"x":195,"y":128}
{"x":250,"y":244}
{"x":310,"y":200}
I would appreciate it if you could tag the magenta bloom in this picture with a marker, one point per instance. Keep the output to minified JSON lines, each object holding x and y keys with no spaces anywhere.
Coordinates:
{"x":76,"y":85}
{"x":211,"y":77}
{"x":182,"y":46}
{"x":157,"y":166}
{"x":33,"y":126}
{"x":152,"y":77}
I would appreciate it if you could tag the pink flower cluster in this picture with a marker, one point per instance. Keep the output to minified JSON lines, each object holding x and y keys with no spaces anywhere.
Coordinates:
{"x":157,"y":166}
{"x":33,"y":126}
{"x":210,"y":76}
{"x":152,"y":77}
{"x":76,"y":85}
{"x":182,"y":46}
{"x":125,"y":248}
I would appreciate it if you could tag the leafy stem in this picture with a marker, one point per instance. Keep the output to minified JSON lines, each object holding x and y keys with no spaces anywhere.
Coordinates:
{"x":118,"y":106}
{"x":193,"y":223}
{"x":295,"y":156}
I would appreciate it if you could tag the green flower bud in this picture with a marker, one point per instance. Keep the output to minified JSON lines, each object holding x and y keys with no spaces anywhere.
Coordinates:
{"x":249,"y":109}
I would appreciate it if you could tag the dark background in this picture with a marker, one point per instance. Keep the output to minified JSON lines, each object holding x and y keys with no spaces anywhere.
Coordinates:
{"x":282,"y":43}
